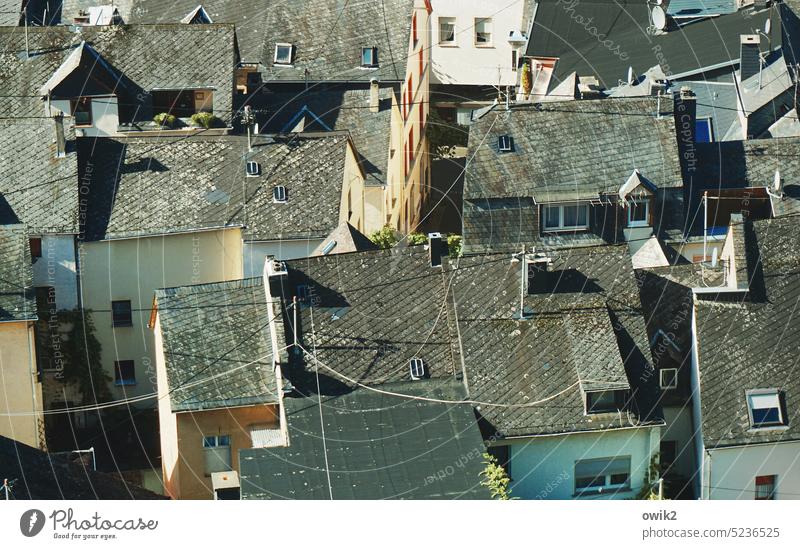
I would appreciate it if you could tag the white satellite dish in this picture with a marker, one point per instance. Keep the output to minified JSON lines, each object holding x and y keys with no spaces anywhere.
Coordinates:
{"x":631,"y":76}
{"x":767,"y":26}
{"x":777,"y":181}
{"x":658,"y":17}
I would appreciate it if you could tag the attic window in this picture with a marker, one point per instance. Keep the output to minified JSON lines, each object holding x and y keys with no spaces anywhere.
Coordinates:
{"x":600,"y":402}
{"x":417,"y":368}
{"x":253,"y":169}
{"x":669,"y":378}
{"x":279,"y":194}
{"x":764,"y":407}
{"x":505,"y":143}
{"x":283,"y":54}
{"x":369,"y":57}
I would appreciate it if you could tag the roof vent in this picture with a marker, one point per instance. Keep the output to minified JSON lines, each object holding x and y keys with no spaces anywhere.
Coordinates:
{"x":417,"y":368}
{"x":253,"y":169}
{"x":276,"y":268}
{"x":435,"y":252}
{"x":279,"y":194}
{"x":505,"y":143}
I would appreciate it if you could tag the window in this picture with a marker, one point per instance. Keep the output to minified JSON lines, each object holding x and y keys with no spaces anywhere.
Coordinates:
{"x":279,"y":194}
{"x":121,"y":313}
{"x":217,"y":449}
{"x":369,"y":57}
{"x":764,"y":406}
{"x":124,"y":372}
{"x":421,"y":55}
{"x":595,"y":476}
{"x":447,"y":31}
{"x":82,"y":111}
{"x":181,"y":103}
{"x":410,"y":147}
{"x":283,"y":54}
{"x":560,"y":217}
{"x":639,"y":213}
{"x":703,"y":130}
{"x":765,"y":486}
{"x":36,"y":247}
{"x":505,"y":143}
{"x":417,"y":368}
{"x":414,"y":28}
{"x":483,"y":31}
{"x":599,"y":402}
{"x":669,"y":378}
{"x":253,"y":169}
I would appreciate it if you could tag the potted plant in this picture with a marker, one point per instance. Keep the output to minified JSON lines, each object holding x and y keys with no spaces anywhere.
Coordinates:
{"x":165,"y":120}
{"x":204,"y":120}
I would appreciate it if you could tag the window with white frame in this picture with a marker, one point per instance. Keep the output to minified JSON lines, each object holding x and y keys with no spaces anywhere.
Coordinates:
{"x":217,"y":450}
{"x":669,"y":378}
{"x":447,"y":31}
{"x":639,"y":212}
{"x":764,"y":408}
{"x":595,"y":476}
{"x":283,"y":54}
{"x":564,"y":217}
{"x":483,"y":31}
{"x":369,"y":57}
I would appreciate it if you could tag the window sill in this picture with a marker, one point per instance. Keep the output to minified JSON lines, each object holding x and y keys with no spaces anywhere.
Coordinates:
{"x":592,"y":492}
{"x":84,"y":126}
{"x":638,"y":225}
{"x":447,"y":45}
{"x":485,"y":46}
{"x":566,"y":230}
{"x":767,"y":429}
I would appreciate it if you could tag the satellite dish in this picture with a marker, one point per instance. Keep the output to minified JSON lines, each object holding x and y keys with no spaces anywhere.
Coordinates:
{"x":767,"y":26}
{"x":631,"y":76}
{"x":776,"y":181}
{"x":658,"y":17}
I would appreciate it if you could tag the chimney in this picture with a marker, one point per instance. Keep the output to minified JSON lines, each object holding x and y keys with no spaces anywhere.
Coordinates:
{"x":750,"y":56}
{"x":61,"y":144}
{"x":374,"y":96}
{"x":435,"y":251}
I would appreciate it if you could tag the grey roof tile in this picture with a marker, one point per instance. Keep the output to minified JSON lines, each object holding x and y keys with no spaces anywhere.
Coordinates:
{"x":16,"y":275}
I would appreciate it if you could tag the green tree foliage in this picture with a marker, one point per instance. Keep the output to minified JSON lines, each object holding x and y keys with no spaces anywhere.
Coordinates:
{"x":495,"y":478}
{"x":385,"y":238}
{"x":415,"y":239}
{"x":81,"y":354}
{"x":454,"y":245}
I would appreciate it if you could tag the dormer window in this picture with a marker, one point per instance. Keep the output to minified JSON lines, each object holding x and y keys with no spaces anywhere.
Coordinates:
{"x":601,"y":402}
{"x":283,"y":54}
{"x":369,"y":57}
{"x":279,"y":194}
{"x":764,"y":408}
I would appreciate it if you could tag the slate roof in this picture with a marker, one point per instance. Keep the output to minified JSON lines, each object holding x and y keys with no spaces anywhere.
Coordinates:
{"x":142,"y":186}
{"x":41,"y":476}
{"x":377,"y":446}
{"x":148,"y":57}
{"x":570,"y":31}
{"x":345,"y":239}
{"x":10,"y":12}
{"x":758,"y":335}
{"x":216,"y":345}
{"x":36,"y":188}
{"x":338,"y":109}
{"x":586,"y":332}
{"x":16,"y":275}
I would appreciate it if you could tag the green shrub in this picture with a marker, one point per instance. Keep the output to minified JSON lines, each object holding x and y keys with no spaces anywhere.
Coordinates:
{"x":165,"y":120}
{"x":385,"y":238}
{"x":495,"y":478}
{"x":454,"y":245}
{"x":204,"y":120}
{"x":415,"y":239}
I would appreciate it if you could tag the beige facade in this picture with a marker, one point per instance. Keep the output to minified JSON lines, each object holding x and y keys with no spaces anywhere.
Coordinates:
{"x":20,"y":389}
{"x":131,"y":270}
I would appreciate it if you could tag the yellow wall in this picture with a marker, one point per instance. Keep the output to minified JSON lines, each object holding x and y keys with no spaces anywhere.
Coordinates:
{"x":192,"y":483}
{"x":20,"y":390}
{"x":353,"y":195}
{"x":133,"y":269}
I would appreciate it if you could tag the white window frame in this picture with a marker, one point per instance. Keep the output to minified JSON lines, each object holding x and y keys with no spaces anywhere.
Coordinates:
{"x":276,"y":60}
{"x":490,"y":32}
{"x":762,"y":393}
{"x":674,"y":378}
{"x":447,"y":43}
{"x":213,"y":445}
{"x":639,"y":223}
{"x":608,"y":485}
{"x":561,"y":226}
{"x":373,"y":54}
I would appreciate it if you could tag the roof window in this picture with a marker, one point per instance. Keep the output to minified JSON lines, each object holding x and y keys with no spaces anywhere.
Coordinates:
{"x":764,"y":408}
{"x":505,"y":143}
{"x":283,"y":54}
{"x":417,"y":368}
{"x":369,"y":57}
{"x":253,"y":169}
{"x":279,"y":194}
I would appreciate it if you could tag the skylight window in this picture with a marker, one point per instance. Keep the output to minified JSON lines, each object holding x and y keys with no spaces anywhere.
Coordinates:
{"x":279,"y":194}
{"x":764,"y":406}
{"x":417,"y":368}
{"x":369,"y":57}
{"x":505,"y":143}
{"x":253,"y":169}
{"x":283,"y":54}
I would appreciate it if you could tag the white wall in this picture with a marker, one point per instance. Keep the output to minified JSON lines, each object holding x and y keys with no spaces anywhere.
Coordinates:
{"x":256,"y":252}
{"x":465,"y":63}
{"x":732,"y":471}
{"x":56,"y":268}
{"x":544,"y":467}
{"x":105,"y":116}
